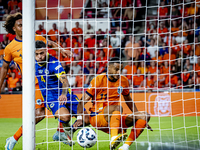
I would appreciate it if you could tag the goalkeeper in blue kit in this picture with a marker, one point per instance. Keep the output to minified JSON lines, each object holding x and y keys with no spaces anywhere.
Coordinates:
{"x":57,"y":96}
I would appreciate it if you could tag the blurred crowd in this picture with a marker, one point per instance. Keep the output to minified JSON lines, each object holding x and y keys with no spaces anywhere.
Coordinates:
{"x":165,"y":54}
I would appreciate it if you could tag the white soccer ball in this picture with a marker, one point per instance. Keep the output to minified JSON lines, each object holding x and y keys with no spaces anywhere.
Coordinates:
{"x":86,"y":137}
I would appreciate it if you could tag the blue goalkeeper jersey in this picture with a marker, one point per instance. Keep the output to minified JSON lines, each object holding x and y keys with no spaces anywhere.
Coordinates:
{"x":48,"y":75}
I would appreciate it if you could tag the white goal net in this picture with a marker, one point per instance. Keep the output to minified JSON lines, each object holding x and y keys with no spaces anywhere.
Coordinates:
{"x":158,"y":45}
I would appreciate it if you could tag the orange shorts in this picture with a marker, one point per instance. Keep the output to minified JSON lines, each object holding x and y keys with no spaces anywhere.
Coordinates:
{"x":38,"y":98}
{"x":98,"y":121}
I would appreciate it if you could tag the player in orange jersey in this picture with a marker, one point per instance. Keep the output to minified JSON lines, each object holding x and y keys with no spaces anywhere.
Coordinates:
{"x":106,"y":112}
{"x":13,"y":52}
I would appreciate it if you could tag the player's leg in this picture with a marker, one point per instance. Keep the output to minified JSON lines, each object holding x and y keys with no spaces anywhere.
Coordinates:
{"x":11,"y":141}
{"x":112,"y":114}
{"x":139,"y":121}
{"x":64,"y":118}
{"x":72,"y":105}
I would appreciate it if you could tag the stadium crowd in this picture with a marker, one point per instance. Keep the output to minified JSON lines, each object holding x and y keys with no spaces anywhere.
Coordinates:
{"x":166,"y":54}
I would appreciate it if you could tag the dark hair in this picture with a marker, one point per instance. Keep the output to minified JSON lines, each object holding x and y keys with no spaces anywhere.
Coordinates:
{"x":40,"y":44}
{"x":10,"y":22}
{"x":114,"y":60}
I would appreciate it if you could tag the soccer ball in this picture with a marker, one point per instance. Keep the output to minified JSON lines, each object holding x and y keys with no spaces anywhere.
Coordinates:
{"x":86,"y":137}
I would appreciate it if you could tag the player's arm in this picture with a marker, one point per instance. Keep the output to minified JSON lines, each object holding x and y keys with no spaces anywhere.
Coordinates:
{"x":130,"y":103}
{"x":65,"y":85}
{"x":4,"y":70}
{"x":56,"y":47}
{"x":80,"y":108}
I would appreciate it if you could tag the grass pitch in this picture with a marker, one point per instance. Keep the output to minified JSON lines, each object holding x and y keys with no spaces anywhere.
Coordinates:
{"x":170,"y":133}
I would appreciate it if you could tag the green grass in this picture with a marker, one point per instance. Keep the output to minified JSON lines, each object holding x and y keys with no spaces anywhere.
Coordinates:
{"x":177,"y":133}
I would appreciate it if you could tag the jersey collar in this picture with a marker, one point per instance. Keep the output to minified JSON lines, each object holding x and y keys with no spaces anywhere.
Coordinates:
{"x":110,"y":79}
{"x":18,"y":40}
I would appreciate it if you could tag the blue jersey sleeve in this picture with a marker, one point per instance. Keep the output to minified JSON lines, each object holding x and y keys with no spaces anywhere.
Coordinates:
{"x":57,"y":69}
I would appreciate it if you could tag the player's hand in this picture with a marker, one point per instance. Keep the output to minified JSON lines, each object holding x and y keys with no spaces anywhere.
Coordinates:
{"x":78,"y":123}
{"x":62,"y":99}
{"x":66,"y":53}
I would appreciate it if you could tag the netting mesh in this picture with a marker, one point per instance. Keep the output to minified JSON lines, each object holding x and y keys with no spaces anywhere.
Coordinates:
{"x":158,"y":45}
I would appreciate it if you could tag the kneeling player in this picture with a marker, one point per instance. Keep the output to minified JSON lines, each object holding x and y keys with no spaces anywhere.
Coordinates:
{"x":53,"y":84}
{"x":106,"y":112}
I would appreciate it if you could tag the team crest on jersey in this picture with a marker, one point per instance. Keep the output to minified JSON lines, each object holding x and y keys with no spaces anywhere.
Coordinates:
{"x":52,"y":105}
{"x":119,"y":89}
{"x":46,"y":71}
{"x":40,"y":71}
{"x":39,"y":101}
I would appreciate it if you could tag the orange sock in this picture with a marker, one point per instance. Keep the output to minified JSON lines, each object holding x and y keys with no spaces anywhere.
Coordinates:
{"x":60,"y":127}
{"x":18,"y":134}
{"x":115,"y":123}
{"x":136,"y":131}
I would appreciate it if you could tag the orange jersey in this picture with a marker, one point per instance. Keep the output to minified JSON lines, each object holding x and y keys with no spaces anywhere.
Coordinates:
{"x":130,"y":71}
{"x":186,"y":49}
{"x":197,"y":69}
{"x":12,"y":82}
{"x":175,"y":49}
{"x":107,"y":51}
{"x":160,"y":83}
{"x":41,"y":32}
{"x":137,"y":80}
{"x":197,"y":49}
{"x":174,"y":80}
{"x":13,"y":51}
{"x":150,"y":83}
{"x":152,"y":70}
{"x":165,"y":70}
{"x":172,"y":58}
{"x":174,"y":31}
{"x":77,"y":31}
{"x":11,"y":4}
{"x":162,"y":32}
{"x":105,"y":92}
{"x":53,"y":34}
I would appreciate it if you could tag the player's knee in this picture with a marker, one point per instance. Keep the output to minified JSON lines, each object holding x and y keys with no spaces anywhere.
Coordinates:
{"x":39,"y":115}
{"x":118,"y":108}
{"x":65,"y":118}
{"x":40,"y":112}
{"x":145,"y":116}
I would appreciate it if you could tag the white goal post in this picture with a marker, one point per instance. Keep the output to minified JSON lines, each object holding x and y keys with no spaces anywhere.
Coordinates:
{"x":28,"y":75}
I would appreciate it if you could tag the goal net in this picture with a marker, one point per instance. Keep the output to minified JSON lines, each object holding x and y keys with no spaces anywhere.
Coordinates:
{"x":158,"y":45}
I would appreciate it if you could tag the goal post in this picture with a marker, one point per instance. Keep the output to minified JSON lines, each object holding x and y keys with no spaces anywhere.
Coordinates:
{"x":28,"y":75}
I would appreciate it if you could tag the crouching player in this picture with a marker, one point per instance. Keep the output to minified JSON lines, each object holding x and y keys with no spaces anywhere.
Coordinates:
{"x":53,"y":83}
{"x":106,"y":112}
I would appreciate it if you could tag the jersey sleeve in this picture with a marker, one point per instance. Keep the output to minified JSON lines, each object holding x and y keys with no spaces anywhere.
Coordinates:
{"x":125,"y":86}
{"x":7,"y":55}
{"x":91,"y":89}
{"x":57,"y":69}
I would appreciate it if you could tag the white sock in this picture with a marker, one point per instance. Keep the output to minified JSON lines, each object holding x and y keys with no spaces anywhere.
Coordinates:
{"x":112,"y":138}
{"x":126,"y":146}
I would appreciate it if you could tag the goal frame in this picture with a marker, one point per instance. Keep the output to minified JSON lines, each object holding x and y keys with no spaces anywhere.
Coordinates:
{"x":28,"y":96}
